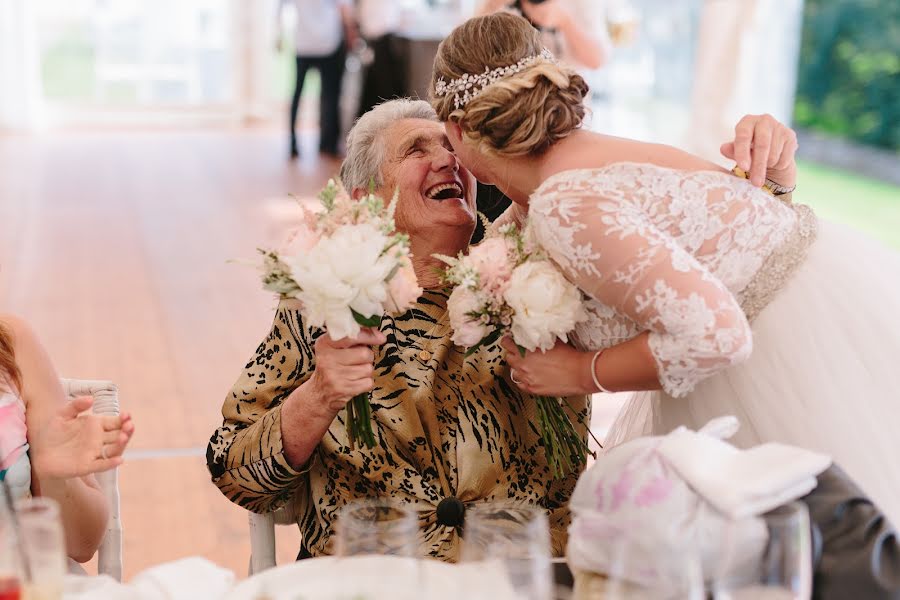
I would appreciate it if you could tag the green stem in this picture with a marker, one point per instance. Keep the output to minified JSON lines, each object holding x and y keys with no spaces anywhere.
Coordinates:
{"x":359,"y":421}
{"x":561,"y":442}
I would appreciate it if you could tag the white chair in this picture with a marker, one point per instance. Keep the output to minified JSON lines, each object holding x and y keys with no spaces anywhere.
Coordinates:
{"x":106,"y":402}
{"x":262,"y":536}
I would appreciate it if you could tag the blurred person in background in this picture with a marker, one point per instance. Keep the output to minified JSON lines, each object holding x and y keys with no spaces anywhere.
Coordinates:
{"x":324,"y":30}
{"x":573,"y":30}
{"x":385,"y":76}
{"x":51,"y":447}
{"x":576,"y":32}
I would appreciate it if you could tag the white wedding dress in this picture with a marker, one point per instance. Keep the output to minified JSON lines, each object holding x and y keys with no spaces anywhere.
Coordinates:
{"x":755,"y":308}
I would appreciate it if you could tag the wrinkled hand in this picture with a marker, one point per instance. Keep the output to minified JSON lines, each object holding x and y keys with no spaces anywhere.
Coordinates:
{"x":72,"y":444}
{"x":764,"y":147}
{"x":345,"y":368}
{"x":550,"y":14}
{"x":560,"y":371}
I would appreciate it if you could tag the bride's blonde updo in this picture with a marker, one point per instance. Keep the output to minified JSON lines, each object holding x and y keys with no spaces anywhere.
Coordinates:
{"x":521,"y":114}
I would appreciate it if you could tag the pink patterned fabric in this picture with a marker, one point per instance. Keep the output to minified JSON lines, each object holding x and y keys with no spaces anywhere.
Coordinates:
{"x":13,"y":432}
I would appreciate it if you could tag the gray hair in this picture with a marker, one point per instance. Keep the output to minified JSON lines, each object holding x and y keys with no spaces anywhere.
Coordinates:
{"x":365,"y":145}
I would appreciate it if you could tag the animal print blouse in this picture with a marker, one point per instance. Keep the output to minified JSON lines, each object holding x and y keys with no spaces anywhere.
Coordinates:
{"x":449,"y":426}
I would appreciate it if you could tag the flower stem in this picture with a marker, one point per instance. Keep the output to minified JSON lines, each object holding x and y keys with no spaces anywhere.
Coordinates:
{"x":564,"y":448}
{"x":359,"y":421}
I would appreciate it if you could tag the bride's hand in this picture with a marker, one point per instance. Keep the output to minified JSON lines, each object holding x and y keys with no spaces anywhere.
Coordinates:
{"x":73,"y":444}
{"x":560,"y":371}
{"x":764,"y":147}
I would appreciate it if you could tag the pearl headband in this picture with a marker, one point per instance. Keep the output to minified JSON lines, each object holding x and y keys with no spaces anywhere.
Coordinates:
{"x":467,"y":87}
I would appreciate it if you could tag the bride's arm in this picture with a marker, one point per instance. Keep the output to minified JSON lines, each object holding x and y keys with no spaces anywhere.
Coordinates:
{"x":694,"y":327}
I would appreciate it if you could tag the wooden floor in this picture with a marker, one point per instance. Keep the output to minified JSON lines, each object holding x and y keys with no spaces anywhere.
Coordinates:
{"x":115,"y":246}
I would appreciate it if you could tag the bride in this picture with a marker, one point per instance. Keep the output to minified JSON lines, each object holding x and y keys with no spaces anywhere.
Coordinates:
{"x":707,"y":294}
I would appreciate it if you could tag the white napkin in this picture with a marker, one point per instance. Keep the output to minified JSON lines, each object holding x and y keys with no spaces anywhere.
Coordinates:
{"x":654,"y":498}
{"x":186,"y":579}
{"x":742,"y":483}
{"x":191,"y":578}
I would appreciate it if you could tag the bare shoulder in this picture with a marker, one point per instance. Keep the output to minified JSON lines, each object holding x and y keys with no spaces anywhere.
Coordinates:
{"x":22,"y":334}
{"x":41,"y":388}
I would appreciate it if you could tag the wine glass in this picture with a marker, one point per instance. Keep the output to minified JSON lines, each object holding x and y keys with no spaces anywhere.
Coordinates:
{"x":10,"y":561}
{"x":381,"y":537}
{"x":784,"y":569}
{"x":377,"y":526}
{"x":644,"y":571}
{"x":512,"y":541}
{"x":44,"y":544}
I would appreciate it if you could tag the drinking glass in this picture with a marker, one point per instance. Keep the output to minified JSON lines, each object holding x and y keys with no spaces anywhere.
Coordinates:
{"x":380,"y":539}
{"x":784,"y":571}
{"x":643,"y":571}
{"x":513,"y":542}
{"x":45,"y":549}
{"x":377,"y":526}
{"x":10,"y":561}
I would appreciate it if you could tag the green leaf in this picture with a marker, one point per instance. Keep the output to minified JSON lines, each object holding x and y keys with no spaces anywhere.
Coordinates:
{"x":373,"y":321}
{"x":486,"y":341}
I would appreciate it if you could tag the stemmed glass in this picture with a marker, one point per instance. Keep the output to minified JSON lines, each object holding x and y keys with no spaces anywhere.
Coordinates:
{"x":641,"y":571}
{"x":10,"y":560}
{"x":383,"y":537}
{"x":784,"y":570}
{"x":512,"y":541}
{"x":44,"y":545}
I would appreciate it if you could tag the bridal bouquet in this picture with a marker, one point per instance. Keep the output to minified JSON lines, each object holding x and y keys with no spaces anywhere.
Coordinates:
{"x":505,"y":286}
{"x":348,"y":266}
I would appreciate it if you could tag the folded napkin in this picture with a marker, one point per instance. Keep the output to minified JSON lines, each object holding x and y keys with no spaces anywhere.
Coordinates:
{"x":647,"y":503}
{"x":741,"y":483}
{"x":186,"y":579}
{"x":191,"y":578}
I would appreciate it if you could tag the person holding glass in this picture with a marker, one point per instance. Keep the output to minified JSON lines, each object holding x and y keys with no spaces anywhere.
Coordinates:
{"x":48,"y":447}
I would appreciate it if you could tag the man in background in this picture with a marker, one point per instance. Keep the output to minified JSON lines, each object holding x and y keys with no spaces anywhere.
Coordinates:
{"x":324,"y":30}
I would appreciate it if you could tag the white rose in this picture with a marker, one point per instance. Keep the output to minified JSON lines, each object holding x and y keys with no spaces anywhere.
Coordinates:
{"x":546,"y":305}
{"x":344,"y":271}
{"x":466,"y":331}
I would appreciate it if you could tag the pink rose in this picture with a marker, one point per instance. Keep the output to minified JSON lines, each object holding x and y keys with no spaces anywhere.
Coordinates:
{"x":466,"y":331}
{"x":491,"y":259}
{"x":403,"y":289}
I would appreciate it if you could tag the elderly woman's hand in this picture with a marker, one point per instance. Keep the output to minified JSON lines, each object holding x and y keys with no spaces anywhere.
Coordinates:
{"x":764,"y":148}
{"x":560,"y":371}
{"x":344,"y":368}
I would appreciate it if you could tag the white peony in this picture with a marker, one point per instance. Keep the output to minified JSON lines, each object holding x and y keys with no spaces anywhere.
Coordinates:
{"x":347,"y":270}
{"x":466,"y":331}
{"x":546,"y":305}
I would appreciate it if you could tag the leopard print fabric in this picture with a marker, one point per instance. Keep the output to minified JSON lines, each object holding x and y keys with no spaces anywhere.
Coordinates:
{"x":448,"y":426}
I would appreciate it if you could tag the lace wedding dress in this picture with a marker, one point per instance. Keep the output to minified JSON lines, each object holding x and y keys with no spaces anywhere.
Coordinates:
{"x":754,"y":306}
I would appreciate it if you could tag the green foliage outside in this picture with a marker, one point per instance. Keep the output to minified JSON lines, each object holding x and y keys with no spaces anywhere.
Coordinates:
{"x":849,"y":72}
{"x":870,"y":206}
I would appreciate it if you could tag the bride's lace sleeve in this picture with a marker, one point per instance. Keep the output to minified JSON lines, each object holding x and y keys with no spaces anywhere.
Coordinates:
{"x":614,"y":253}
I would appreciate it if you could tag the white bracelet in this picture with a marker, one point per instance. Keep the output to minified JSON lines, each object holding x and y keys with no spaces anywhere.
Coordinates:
{"x":594,"y":373}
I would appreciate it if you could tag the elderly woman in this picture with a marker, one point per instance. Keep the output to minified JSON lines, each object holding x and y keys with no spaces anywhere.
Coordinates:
{"x":448,"y":427}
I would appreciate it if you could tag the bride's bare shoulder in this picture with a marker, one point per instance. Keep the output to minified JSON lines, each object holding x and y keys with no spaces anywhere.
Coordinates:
{"x":590,"y":150}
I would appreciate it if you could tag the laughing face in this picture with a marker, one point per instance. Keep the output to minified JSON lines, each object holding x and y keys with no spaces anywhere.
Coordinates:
{"x":435,"y":191}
